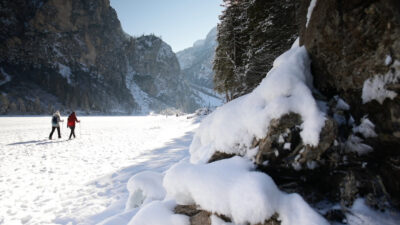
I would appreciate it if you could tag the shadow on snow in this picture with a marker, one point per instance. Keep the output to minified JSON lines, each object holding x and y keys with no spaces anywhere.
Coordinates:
{"x":114,"y":185}
{"x":39,"y":142}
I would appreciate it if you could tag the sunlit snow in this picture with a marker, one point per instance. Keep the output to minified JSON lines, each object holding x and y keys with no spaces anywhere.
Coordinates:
{"x":83,"y":180}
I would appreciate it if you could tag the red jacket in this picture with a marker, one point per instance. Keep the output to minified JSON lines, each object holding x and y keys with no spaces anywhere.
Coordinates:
{"x":72,"y":119}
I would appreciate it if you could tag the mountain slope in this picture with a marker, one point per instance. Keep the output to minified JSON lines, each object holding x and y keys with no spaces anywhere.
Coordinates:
{"x":74,"y":55}
{"x":196,"y":63}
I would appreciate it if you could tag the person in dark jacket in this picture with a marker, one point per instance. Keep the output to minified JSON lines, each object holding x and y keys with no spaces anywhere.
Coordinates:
{"x":55,"y":124}
{"x":71,"y":123}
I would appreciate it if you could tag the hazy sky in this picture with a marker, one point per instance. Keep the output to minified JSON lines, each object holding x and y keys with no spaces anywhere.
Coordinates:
{"x":179,"y":22}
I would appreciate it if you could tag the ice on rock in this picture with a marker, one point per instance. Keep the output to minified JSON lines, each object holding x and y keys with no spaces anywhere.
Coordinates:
{"x":374,"y":88}
{"x":388,"y":60}
{"x":341,"y":104}
{"x":287,"y":146}
{"x":354,"y":144}
{"x":366,"y":128}
{"x":281,"y":140}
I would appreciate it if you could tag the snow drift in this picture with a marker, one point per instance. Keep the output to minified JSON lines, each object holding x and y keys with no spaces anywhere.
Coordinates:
{"x":231,"y":187}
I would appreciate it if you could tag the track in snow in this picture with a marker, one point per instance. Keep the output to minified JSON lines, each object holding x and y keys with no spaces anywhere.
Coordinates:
{"x":83,"y":180}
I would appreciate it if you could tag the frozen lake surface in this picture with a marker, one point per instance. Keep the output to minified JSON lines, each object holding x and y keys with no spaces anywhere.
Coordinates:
{"x":81,"y":181}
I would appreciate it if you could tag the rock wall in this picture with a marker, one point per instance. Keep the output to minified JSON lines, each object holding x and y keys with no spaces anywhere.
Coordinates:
{"x":74,"y":55}
{"x":155,"y":70}
{"x":355,"y":50}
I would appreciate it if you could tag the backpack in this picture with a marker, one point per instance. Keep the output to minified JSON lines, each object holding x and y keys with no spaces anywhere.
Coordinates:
{"x":54,"y":120}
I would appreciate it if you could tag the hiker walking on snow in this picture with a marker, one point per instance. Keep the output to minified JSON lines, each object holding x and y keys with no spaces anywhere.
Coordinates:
{"x":55,"y":124}
{"x":71,"y":123}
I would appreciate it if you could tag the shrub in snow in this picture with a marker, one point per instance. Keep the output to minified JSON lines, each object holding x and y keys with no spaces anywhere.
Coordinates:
{"x":231,"y":187}
{"x":143,"y":188}
{"x":286,"y":88}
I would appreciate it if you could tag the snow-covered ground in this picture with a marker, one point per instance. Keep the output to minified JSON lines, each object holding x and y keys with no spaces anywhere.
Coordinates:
{"x":81,"y":181}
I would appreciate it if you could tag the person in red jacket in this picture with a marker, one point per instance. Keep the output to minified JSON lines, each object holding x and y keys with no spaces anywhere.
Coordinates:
{"x":71,"y":123}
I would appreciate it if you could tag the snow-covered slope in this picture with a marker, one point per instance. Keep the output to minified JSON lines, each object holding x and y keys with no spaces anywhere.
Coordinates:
{"x":196,"y":64}
{"x":196,"y":61}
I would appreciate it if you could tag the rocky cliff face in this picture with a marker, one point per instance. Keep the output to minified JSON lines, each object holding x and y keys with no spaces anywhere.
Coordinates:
{"x":154,"y":76}
{"x":196,"y":62}
{"x":355,"y":48}
{"x":74,"y":54}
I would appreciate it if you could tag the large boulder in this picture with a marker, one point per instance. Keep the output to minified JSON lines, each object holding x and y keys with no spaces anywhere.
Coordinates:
{"x":355,"y":51}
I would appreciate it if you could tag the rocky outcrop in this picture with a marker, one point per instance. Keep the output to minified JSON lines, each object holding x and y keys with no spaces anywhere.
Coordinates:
{"x":64,"y":49}
{"x":202,"y":217}
{"x":340,"y":169}
{"x":197,"y":216}
{"x":355,"y":50}
{"x":282,"y":146}
{"x":154,"y":76}
{"x":354,"y":46}
{"x":74,"y":55}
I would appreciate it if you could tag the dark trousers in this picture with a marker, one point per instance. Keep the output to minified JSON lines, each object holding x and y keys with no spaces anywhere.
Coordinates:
{"x":52,"y":131}
{"x":72,"y":132}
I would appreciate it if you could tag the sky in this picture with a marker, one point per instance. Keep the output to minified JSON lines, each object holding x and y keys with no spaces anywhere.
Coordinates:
{"x":179,"y":22}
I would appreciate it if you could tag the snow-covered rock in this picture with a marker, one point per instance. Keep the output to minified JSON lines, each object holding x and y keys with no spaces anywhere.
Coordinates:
{"x":286,"y":88}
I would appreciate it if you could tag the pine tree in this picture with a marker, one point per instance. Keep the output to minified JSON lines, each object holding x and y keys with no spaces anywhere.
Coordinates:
{"x":228,"y":61}
{"x":21,"y":105}
{"x":13,"y":108}
{"x":225,"y":54}
{"x":4,"y":104}
{"x":252,"y":33}
{"x":37,"y":105}
{"x":50,"y":109}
